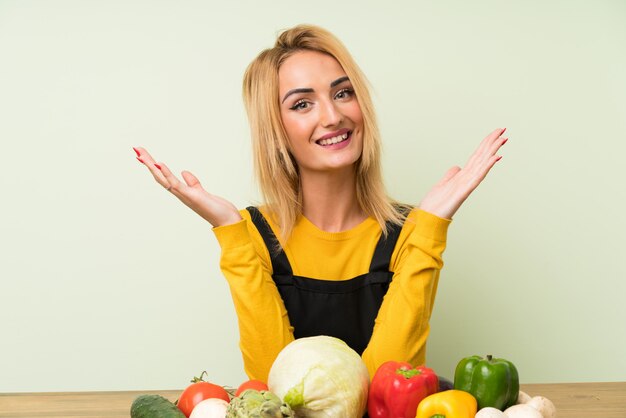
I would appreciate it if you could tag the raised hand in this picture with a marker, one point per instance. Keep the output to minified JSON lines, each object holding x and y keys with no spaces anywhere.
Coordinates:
{"x":216,"y":210}
{"x":446,"y":197}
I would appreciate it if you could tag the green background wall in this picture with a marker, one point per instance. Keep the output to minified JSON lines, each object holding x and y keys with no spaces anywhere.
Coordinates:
{"x":108,"y":283}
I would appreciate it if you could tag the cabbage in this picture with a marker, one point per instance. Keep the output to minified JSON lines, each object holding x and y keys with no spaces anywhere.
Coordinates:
{"x":320,"y":377}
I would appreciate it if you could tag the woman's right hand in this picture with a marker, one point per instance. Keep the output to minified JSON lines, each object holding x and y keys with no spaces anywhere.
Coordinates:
{"x":214,"y":209}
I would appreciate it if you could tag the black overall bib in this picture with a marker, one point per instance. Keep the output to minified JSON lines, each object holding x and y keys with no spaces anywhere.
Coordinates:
{"x":343,"y":309}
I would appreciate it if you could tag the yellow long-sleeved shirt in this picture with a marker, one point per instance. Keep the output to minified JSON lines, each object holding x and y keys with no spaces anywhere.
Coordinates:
{"x":402,"y":325}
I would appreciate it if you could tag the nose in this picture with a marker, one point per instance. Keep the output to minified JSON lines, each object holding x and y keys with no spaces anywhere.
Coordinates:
{"x":330,"y":115}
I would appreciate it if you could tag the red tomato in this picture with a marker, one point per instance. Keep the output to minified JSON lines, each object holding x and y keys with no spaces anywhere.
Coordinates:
{"x":197,"y":392}
{"x":251,"y":384}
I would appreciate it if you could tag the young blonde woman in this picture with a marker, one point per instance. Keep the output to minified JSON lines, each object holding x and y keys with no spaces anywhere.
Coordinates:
{"x":329,"y":253}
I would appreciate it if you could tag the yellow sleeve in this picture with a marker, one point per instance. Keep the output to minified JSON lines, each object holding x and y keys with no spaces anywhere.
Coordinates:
{"x":402,"y":325}
{"x":264,"y":327}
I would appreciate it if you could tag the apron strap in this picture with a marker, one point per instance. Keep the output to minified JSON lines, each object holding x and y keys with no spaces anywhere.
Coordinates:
{"x":385,"y":246}
{"x":280,"y":264}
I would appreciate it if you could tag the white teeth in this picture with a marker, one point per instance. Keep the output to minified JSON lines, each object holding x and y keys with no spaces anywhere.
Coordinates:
{"x":334,"y":140}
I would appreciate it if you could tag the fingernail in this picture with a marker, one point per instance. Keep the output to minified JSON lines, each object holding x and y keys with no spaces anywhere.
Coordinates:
{"x":499,"y":158}
{"x":157,"y":166}
{"x":140,"y":160}
{"x":502,"y":131}
{"x":504,"y":142}
{"x":138,"y":153}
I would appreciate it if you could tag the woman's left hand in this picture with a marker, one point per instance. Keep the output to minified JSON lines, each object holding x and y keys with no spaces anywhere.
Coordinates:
{"x":447,"y":196}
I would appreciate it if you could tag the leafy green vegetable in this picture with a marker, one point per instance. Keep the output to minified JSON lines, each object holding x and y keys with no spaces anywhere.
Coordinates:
{"x":321,"y":376}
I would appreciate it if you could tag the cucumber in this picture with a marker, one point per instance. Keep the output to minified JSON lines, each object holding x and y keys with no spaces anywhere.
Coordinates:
{"x":154,"y":406}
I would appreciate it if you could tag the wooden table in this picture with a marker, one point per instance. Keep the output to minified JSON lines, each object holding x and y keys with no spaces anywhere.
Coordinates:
{"x":572,"y":400}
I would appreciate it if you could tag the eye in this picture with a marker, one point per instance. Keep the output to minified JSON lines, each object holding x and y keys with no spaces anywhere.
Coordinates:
{"x":300,"y":105}
{"x":344,"y":93}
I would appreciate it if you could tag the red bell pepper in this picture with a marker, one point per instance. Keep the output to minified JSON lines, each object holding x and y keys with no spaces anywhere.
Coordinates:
{"x":397,"y":388}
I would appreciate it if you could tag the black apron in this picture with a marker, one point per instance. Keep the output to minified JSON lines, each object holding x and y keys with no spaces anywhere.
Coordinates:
{"x":343,"y":309}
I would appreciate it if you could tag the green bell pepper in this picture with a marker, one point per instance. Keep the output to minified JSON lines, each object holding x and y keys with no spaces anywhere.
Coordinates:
{"x":494,"y":382}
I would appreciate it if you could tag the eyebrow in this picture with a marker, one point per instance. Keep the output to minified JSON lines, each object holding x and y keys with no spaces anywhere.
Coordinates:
{"x":310,"y":90}
{"x":339,"y":81}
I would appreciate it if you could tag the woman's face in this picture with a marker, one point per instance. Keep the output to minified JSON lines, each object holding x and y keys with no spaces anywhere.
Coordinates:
{"x":320,"y":112}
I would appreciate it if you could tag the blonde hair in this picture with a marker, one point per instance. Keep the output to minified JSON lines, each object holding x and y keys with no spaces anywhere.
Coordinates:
{"x":275,"y":167}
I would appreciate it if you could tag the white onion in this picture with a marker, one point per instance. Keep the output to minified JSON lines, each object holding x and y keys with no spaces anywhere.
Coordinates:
{"x":210,"y":408}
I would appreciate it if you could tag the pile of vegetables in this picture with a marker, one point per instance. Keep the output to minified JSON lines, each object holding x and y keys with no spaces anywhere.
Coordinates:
{"x":313,"y":377}
{"x":323,"y":377}
{"x":483,"y":388}
{"x":203,"y":399}
{"x":493,"y":388}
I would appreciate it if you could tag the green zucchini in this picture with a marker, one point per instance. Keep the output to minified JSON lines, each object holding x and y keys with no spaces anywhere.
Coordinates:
{"x":154,"y":406}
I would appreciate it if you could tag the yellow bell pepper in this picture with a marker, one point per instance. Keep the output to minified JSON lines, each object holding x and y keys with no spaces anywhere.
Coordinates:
{"x":448,"y":404}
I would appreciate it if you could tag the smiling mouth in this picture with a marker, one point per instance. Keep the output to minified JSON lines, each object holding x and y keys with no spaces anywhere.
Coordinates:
{"x":334,"y":140}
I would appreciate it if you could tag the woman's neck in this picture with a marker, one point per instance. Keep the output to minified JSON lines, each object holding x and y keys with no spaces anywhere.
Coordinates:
{"x":329,"y":200}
